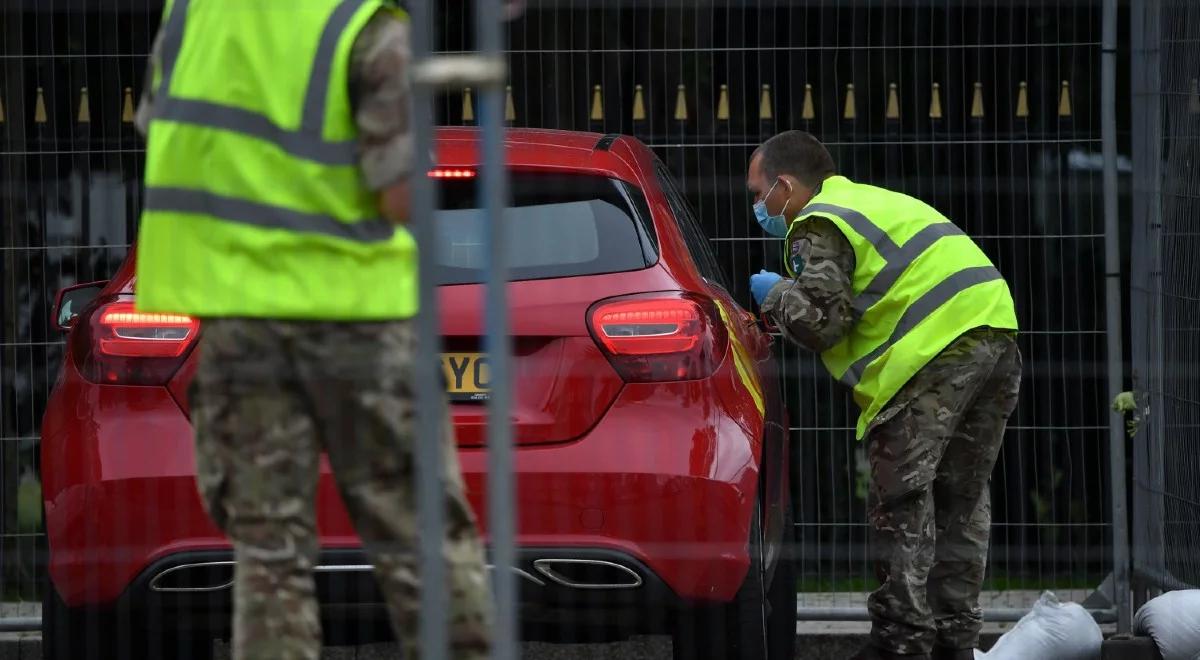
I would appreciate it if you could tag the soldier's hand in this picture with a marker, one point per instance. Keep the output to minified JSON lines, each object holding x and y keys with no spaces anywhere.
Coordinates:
{"x":761,"y":284}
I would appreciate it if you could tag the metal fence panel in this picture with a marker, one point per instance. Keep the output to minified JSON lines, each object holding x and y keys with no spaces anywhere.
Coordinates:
{"x":995,"y":121}
{"x":987,"y":110}
{"x":1166,"y":294}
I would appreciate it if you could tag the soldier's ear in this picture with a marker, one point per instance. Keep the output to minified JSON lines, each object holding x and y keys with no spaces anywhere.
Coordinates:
{"x":796,"y":191}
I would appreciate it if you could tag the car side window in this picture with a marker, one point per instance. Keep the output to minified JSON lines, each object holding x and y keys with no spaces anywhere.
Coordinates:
{"x":697,"y":243}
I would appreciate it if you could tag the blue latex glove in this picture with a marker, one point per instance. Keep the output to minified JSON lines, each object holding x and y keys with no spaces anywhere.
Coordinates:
{"x":761,"y":284}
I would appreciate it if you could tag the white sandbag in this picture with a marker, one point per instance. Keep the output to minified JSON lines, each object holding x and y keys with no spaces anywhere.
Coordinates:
{"x":1051,"y":631}
{"x":1173,"y":620}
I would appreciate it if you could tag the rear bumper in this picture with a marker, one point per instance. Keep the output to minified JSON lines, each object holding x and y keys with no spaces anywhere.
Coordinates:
{"x":193,"y":591}
{"x":666,"y":481}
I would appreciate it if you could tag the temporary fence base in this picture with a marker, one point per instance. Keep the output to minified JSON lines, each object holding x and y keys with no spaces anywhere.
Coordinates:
{"x":20,"y":624}
{"x":1162,"y":580}
{"x":1103,"y":597}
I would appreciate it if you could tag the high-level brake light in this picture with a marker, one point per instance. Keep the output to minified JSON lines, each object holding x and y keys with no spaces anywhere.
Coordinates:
{"x":451,"y":173}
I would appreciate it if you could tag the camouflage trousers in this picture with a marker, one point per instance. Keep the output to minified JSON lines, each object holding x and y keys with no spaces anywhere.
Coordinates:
{"x":931,"y":452}
{"x":268,"y":398}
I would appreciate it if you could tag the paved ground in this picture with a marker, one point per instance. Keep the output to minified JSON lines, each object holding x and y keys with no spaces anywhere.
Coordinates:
{"x":1022,"y":599}
{"x":817,"y":640}
{"x":824,"y":646}
{"x":28,"y":647}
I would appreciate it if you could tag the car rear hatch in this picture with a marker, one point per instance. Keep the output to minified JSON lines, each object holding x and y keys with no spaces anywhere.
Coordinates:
{"x":573,"y":239}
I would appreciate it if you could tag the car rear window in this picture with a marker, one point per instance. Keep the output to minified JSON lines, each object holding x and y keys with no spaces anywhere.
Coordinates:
{"x":558,"y":225}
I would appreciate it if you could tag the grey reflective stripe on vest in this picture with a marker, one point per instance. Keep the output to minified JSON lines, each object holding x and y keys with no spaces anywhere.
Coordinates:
{"x":900,"y":260}
{"x":897,"y":257}
{"x":184,"y":200}
{"x":306,"y":142}
{"x":239,"y":120}
{"x":859,"y":222}
{"x":927,"y":304}
{"x":172,"y":42}
{"x":313,"y":119}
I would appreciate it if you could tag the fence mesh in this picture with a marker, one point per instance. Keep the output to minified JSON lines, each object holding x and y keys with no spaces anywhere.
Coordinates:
{"x":1166,"y":293}
{"x":987,"y":110}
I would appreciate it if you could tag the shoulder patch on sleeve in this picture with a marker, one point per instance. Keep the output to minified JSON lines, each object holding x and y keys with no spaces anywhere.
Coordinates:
{"x":798,"y":253}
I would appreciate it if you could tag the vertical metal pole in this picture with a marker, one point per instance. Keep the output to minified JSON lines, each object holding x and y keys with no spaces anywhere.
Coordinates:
{"x":1112,"y":259}
{"x":1140,"y":314}
{"x":430,"y":485}
{"x":1146,"y":552}
{"x":494,"y":191}
{"x":1148,"y":120}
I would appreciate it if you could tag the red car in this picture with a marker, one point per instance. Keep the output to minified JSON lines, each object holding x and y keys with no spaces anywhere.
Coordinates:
{"x":652,"y":446}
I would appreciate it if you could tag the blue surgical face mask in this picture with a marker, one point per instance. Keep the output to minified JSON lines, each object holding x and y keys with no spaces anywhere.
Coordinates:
{"x":775,"y":225}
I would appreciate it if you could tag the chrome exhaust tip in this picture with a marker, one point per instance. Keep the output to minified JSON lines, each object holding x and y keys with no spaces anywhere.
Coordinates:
{"x":200,"y":577}
{"x":218,"y":575}
{"x":588,"y":573}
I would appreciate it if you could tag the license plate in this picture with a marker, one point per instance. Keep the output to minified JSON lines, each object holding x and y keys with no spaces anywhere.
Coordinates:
{"x":467,"y":376}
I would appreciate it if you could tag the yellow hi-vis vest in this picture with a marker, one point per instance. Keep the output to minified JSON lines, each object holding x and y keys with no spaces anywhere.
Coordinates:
{"x":919,"y":283}
{"x":255,"y":205}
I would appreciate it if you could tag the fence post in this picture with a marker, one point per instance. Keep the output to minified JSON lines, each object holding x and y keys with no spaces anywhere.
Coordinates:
{"x":1146,"y":304}
{"x":431,"y":514}
{"x":1112,"y":260}
{"x":487,"y":69}
{"x":501,"y":491}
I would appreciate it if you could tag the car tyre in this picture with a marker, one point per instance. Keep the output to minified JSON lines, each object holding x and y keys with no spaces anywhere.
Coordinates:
{"x":781,"y":597}
{"x":81,"y":633}
{"x":758,"y":624}
{"x":74,"y":633}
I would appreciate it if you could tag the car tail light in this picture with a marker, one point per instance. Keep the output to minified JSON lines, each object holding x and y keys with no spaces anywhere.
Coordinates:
{"x":119,"y":345}
{"x":451,"y":173}
{"x":660,"y":337}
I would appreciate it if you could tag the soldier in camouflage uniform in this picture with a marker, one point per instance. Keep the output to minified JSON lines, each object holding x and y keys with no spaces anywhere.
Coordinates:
{"x":932,"y":447}
{"x":269,"y":396}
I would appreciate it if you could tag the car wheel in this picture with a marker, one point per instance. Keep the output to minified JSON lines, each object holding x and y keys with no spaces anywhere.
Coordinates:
{"x":781,"y":598}
{"x":739,"y":630}
{"x":80,"y":633}
{"x":75,"y":633}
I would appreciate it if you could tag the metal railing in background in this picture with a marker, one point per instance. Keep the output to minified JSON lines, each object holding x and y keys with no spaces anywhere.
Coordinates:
{"x":1164,"y":411}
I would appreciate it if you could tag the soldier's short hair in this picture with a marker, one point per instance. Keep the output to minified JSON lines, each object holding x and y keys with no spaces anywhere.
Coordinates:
{"x":796,"y":153}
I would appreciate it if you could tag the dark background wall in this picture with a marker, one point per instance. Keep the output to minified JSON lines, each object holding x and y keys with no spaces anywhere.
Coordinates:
{"x":1019,"y":173}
